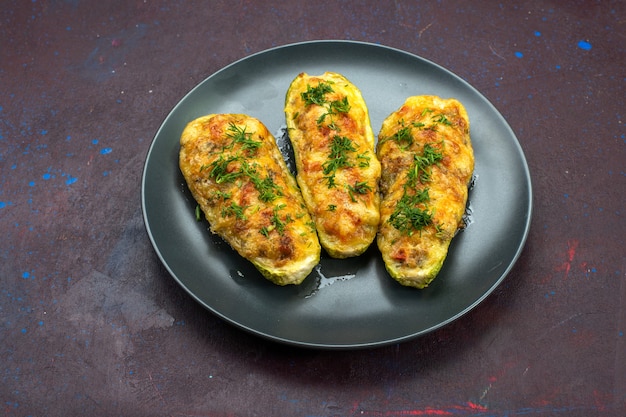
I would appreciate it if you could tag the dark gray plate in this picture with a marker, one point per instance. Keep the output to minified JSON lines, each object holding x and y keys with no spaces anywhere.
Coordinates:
{"x":343,"y":303}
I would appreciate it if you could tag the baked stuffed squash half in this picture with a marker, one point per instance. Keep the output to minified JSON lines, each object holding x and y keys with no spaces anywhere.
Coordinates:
{"x":337,"y":170}
{"x":238,"y":177}
{"x":427,"y":164}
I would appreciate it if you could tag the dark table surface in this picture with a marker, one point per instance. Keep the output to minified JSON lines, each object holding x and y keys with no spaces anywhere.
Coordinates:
{"x":92,"y":322}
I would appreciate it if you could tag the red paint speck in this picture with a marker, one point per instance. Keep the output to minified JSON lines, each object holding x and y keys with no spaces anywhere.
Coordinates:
{"x":116,"y":42}
{"x":572,"y":246}
{"x":469,"y":409}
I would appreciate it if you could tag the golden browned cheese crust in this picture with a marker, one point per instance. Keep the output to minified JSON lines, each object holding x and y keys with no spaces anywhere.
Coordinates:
{"x":337,"y":170}
{"x":237,"y":175}
{"x":427,"y":164}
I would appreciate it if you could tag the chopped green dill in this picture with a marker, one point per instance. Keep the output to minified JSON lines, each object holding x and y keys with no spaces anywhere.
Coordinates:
{"x":333,"y":126}
{"x":420,"y":170}
{"x":277,"y":222}
{"x":337,"y":158}
{"x":364,"y":160}
{"x":359,"y":188}
{"x":442,"y":119}
{"x":425,"y":111}
{"x":317,"y":94}
{"x":267,"y":188}
{"x":221,"y":195}
{"x":339,"y":106}
{"x":334,"y":107}
{"x":265,"y":231}
{"x":403,"y":136}
{"x":198,"y":213}
{"x":220,"y":171}
{"x":330,"y":180}
{"x":432,"y":154}
{"x":408,"y":217}
{"x":332,"y":207}
{"x":240,"y":136}
{"x":234,"y":210}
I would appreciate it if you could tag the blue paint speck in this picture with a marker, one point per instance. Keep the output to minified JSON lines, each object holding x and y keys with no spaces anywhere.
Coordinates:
{"x":70,"y":180}
{"x":31,"y":184}
{"x":95,"y":141}
{"x":26,"y":275}
{"x":519,"y":54}
{"x":105,"y":151}
{"x":3,"y":204}
{"x":46,"y":176}
{"x":40,"y":322}
{"x":537,"y":33}
{"x":24,"y":330}
{"x":584,"y":45}
{"x":44,"y":132}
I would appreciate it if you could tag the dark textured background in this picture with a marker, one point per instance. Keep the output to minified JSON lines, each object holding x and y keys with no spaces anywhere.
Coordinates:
{"x":92,"y":324}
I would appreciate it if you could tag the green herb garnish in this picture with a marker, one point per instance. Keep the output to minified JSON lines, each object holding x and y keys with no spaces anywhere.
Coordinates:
{"x":267,"y":188}
{"x":403,"y":136}
{"x":408,"y":217}
{"x":420,"y":171}
{"x":359,"y":187}
{"x":220,"y":172}
{"x":364,"y":160}
{"x":338,"y":157}
{"x":442,"y":119}
{"x":234,"y":209}
{"x":339,"y":106}
{"x":317,"y":94}
{"x":340,"y":146}
{"x":240,"y":136}
{"x":277,"y":223}
{"x":333,"y":108}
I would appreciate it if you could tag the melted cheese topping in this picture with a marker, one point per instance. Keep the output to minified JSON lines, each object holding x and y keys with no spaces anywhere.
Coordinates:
{"x":337,"y":170}
{"x":427,"y":163}
{"x":236,"y":173}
